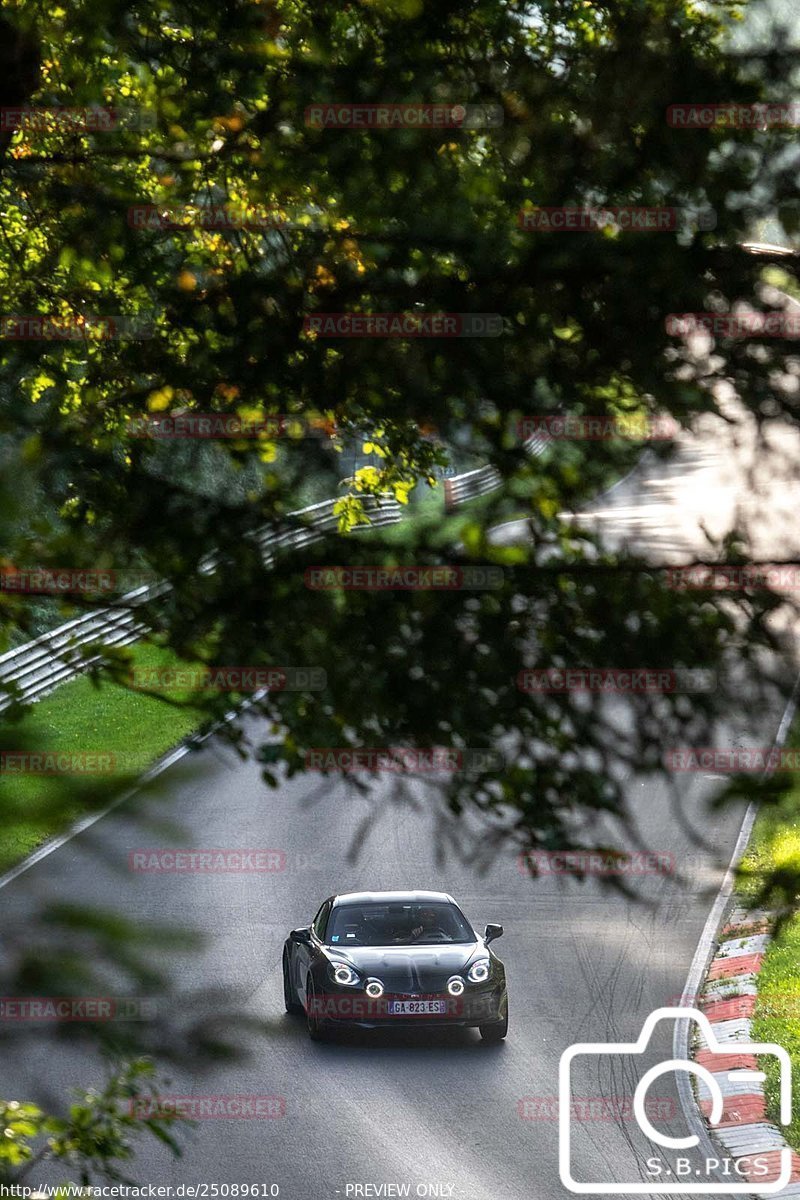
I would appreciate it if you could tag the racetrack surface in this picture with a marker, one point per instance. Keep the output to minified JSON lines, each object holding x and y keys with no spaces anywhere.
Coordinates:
{"x":413,"y":1109}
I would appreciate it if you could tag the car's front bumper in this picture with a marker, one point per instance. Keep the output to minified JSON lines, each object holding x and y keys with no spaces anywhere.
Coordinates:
{"x":480,"y":1004}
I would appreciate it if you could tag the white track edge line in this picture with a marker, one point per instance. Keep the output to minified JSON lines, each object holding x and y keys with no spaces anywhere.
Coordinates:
{"x":680,"y":1041}
{"x":158,"y":768}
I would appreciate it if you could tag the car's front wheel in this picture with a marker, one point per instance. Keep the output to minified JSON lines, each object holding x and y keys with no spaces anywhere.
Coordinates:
{"x":495,"y":1031}
{"x":313,"y":1023}
{"x":293,"y":1005}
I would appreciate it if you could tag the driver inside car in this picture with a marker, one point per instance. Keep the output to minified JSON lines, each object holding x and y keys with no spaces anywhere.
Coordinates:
{"x":427,"y":927}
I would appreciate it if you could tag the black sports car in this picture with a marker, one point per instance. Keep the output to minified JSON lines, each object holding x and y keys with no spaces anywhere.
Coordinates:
{"x":395,"y":959}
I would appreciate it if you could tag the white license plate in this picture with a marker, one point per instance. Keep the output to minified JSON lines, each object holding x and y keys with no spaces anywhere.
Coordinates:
{"x":416,"y":1008}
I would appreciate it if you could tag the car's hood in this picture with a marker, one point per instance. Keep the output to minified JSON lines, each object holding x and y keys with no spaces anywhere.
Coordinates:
{"x":408,"y":968}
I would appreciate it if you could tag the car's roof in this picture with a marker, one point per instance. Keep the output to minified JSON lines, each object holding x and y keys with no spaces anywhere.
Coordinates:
{"x":391,"y":898}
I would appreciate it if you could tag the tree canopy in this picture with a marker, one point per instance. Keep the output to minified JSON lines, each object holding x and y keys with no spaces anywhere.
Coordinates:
{"x":186,"y":215}
{"x":111,"y":230}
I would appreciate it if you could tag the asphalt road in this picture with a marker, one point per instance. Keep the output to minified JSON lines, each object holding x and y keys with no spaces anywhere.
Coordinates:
{"x":422,"y":1108}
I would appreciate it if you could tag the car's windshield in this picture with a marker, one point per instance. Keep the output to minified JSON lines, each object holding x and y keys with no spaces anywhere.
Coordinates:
{"x":372,"y":924}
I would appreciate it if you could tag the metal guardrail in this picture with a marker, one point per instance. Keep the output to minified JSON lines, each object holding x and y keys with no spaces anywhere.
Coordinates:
{"x":40,"y":665}
{"x":321,"y":520}
{"x":460,"y":488}
{"x":37,"y":667}
{"x":34,"y":669}
{"x":767,"y":248}
{"x":55,"y":657}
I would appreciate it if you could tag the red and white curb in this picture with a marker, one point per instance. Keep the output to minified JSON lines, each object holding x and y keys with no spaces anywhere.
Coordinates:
{"x":728,"y":999}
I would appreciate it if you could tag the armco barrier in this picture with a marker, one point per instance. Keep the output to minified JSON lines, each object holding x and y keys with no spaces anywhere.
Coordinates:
{"x":40,"y":665}
{"x":481,"y":481}
{"x":53,"y":658}
{"x":32,"y":670}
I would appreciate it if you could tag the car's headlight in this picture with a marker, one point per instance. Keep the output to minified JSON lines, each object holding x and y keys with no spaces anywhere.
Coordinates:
{"x":480,"y":971}
{"x":455,"y":985}
{"x":374,"y":988}
{"x":344,"y":975}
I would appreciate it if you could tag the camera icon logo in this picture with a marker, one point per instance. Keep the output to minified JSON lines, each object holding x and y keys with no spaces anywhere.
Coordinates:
{"x":666,"y":1184}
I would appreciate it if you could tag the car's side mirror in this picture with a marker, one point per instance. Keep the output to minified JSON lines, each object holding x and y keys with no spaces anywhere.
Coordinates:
{"x":492,"y":932}
{"x":301,"y":937}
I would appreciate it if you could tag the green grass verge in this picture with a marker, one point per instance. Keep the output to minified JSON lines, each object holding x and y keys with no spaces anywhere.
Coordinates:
{"x":84,"y":716}
{"x":137,"y":729}
{"x":776,"y":843}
